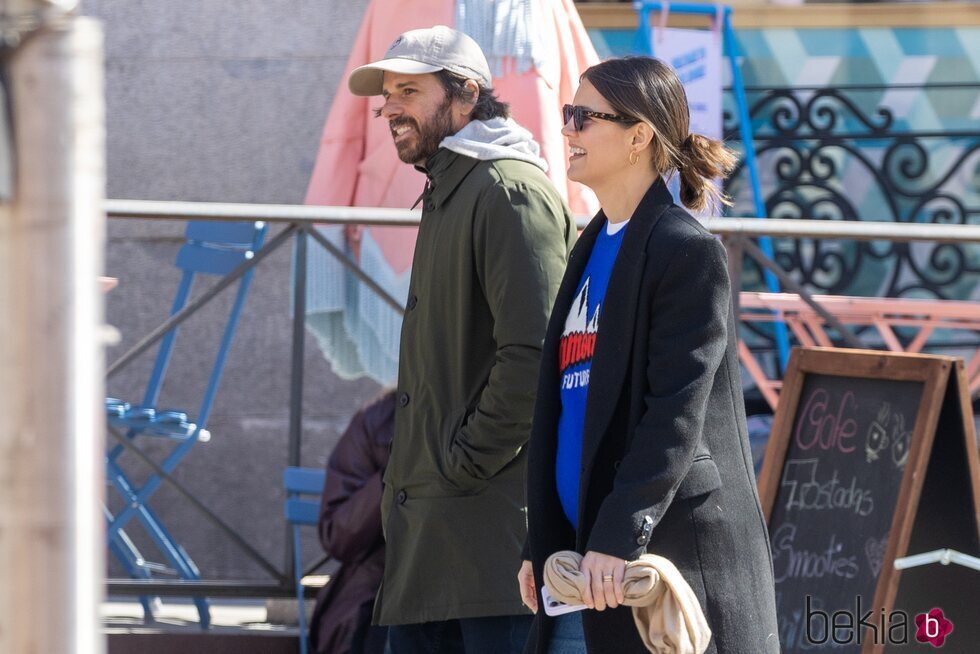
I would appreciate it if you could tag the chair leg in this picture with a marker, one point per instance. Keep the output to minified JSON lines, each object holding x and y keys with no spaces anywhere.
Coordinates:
{"x":202,"y":604}
{"x":151,"y":523}
{"x":154,"y":527}
{"x":175,"y":555}
{"x":126,"y":553}
{"x":129,"y":556}
{"x":298,"y":572}
{"x":142,"y":495}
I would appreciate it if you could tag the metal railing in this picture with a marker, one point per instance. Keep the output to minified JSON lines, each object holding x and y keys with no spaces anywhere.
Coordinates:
{"x":301,"y":223}
{"x":303,"y":215}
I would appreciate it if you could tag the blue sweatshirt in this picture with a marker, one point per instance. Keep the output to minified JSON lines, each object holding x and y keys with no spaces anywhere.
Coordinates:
{"x":576,"y":347}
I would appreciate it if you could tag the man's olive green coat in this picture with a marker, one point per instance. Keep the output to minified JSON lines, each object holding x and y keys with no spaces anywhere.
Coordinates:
{"x":490,"y":255}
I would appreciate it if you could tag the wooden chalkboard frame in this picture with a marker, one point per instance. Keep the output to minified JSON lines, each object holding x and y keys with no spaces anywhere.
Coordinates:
{"x":932,"y":371}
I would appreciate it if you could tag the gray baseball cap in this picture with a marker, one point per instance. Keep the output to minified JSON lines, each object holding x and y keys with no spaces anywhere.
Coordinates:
{"x":424,"y":51}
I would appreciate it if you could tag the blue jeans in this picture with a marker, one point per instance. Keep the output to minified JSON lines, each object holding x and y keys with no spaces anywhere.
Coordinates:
{"x":567,"y":637}
{"x":496,"y":635}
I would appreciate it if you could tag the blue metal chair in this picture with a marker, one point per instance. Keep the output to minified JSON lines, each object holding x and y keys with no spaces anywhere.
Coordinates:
{"x":213,"y":249}
{"x":300,"y":512}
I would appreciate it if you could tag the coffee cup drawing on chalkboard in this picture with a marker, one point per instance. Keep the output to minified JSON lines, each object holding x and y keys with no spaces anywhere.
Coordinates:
{"x":900,"y":441}
{"x":877,"y":435}
{"x":880,"y":437}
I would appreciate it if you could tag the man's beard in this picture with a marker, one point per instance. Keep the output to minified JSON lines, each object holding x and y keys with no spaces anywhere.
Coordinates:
{"x":428,"y":135}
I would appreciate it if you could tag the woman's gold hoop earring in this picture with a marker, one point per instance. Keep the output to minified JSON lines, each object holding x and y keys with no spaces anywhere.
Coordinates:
{"x":634,"y":157}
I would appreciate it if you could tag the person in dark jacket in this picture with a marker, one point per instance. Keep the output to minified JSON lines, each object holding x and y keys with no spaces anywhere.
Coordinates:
{"x":639,"y":442}
{"x":350,"y":532}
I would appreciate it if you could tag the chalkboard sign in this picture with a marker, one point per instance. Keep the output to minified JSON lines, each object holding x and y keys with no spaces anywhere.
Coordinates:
{"x":840,"y":486}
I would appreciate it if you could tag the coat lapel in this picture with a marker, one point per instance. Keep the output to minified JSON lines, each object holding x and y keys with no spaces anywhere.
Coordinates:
{"x":617,"y":323}
{"x":542,"y":491}
{"x":548,"y":404}
{"x":577,"y":261}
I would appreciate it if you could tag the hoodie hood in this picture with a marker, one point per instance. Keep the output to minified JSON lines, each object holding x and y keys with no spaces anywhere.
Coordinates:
{"x":497,"y":138}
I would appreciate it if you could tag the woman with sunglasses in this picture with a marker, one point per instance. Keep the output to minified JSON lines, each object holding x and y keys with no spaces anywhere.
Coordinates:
{"x":639,"y":441}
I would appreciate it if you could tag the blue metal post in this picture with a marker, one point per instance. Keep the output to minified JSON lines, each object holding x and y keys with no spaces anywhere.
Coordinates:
{"x":748,"y":142}
{"x":296,"y":375}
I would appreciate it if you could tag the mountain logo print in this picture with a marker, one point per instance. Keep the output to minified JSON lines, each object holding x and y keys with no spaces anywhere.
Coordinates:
{"x":577,"y":343}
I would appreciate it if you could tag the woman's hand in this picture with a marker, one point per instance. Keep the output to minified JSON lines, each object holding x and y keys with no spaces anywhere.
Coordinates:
{"x":603,"y":580}
{"x":525,"y":579}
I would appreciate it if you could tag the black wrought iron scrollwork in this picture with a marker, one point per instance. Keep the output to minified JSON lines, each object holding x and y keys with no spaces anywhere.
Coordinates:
{"x":797,"y":112}
{"x":830,"y":154}
{"x":823,"y":115}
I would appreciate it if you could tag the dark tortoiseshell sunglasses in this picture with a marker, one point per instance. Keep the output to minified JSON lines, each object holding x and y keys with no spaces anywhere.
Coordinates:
{"x":578,"y":115}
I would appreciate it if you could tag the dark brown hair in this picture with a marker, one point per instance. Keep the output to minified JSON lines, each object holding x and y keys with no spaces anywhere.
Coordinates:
{"x":487,"y":104}
{"x":648,"y":89}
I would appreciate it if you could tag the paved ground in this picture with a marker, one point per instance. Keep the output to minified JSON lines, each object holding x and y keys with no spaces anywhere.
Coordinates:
{"x":239,"y":627}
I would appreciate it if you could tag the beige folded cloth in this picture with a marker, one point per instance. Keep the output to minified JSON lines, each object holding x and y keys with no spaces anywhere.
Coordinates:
{"x":667,"y":613}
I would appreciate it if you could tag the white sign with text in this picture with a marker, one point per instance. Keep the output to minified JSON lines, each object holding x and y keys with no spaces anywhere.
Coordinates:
{"x":695,"y":55}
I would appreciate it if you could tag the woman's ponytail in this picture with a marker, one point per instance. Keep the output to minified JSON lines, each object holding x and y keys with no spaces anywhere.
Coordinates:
{"x":701,"y":161}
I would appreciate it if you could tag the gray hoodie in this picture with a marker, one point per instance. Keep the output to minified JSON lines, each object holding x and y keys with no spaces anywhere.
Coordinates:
{"x":497,"y":138}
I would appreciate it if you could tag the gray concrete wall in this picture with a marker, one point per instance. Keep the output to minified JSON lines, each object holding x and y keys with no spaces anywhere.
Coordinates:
{"x":221,"y":100}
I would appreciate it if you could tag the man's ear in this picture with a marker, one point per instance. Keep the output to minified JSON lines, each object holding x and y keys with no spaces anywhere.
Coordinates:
{"x":465,"y":107}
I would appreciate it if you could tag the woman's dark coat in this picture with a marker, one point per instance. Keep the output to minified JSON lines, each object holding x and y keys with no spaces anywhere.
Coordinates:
{"x":666,"y":466}
{"x":350,"y":528}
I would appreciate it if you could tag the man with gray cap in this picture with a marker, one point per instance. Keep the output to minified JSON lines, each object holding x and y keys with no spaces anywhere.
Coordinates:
{"x":491,"y":250}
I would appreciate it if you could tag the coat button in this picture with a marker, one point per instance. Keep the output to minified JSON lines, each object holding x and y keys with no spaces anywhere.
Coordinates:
{"x":428,"y":206}
{"x":646,"y":531}
{"x":403,"y":399}
{"x":412,"y":302}
{"x":402,"y":496}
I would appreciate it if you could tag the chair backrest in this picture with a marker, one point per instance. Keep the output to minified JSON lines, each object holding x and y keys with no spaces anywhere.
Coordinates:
{"x":299,"y":482}
{"x":212,"y":248}
{"x":299,"y":511}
